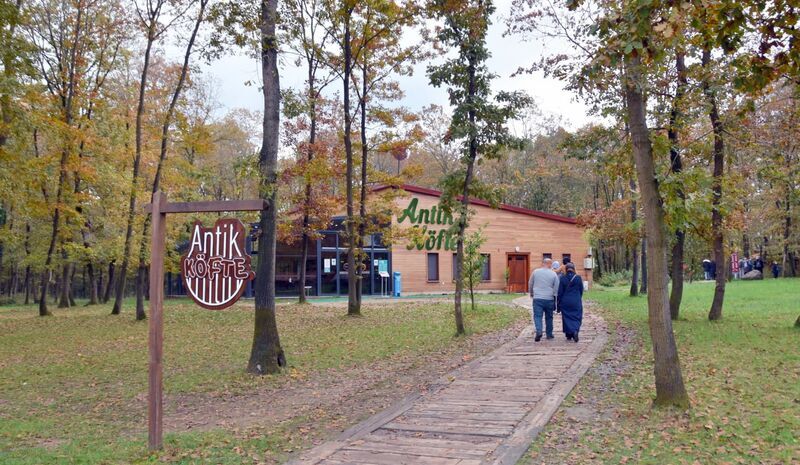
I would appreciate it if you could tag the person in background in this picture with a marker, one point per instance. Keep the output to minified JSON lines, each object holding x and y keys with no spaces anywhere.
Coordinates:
{"x":570,"y":305}
{"x":706,"y":269}
{"x":748,"y":265}
{"x":556,"y":267}
{"x":776,"y":270}
{"x":742,"y":269}
{"x":543,"y":287}
{"x":712,"y":269}
{"x":566,"y":261}
{"x":758,"y":264}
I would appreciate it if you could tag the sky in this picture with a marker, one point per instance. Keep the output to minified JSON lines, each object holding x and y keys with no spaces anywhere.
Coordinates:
{"x":230,"y":73}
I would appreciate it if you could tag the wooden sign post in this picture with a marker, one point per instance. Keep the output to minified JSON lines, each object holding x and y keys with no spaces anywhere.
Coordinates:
{"x":220,"y":248}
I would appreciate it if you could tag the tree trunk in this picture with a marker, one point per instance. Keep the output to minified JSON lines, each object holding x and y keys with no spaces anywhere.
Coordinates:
{"x":70,"y":290}
{"x":141,"y":282}
{"x":635,"y":252}
{"x":109,"y":282}
{"x":266,"y":354}
{"x":463,"y":216}
{"x":717,"y":234}
{"x":27,"y":245}
{"x":670,"y":390}
{"x":43,"y":311}
{"x":27,"y":285}
{"x":600,"y":260}
{"x":362,"y":206}
{"x":137,"y":159}
{"x":676,"y":165}
{"x":93,"y":300}
{"x":643,"y":287}
{"x":788,"y":256}
{"x":353,"y":304}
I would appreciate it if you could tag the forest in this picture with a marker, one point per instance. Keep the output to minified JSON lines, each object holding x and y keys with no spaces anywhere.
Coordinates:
{"x":693,"y":155}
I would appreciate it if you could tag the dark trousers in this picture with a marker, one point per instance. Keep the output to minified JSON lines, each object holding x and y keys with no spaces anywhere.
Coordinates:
{"x":543,"y":307}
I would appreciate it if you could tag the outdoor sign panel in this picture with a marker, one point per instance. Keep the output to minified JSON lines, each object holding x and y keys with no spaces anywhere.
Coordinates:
{"x":216,"y":268}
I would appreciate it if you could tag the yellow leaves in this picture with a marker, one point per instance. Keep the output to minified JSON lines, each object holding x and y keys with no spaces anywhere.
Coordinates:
{"x":664,"y":28}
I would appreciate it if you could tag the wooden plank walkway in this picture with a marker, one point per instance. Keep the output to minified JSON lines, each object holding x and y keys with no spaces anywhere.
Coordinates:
{"x":486,"y":412}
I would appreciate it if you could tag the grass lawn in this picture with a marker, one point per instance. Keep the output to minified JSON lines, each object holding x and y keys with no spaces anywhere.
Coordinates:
{"x":73,"y":386}
{"x":742,"y":373}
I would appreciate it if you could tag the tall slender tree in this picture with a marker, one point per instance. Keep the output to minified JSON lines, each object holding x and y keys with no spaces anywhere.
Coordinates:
{"x":150,"y":16}
{"x":478,"y":121}
{"x":266,"y":354}
{"x":308,"y":37}
{"x":717,"y":231}
{"x":670,"y":389}
{"x":141,"y":279}
{"x":676,"y":166}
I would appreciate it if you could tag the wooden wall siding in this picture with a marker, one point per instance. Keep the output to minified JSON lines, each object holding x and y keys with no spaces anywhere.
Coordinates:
{"x":504,"y":231}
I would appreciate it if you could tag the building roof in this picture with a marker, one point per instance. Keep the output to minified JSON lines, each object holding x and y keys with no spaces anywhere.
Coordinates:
{"x":510,"y":208}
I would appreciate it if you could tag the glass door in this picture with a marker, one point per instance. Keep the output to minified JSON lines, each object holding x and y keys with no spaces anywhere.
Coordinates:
{"x":329,"y":272}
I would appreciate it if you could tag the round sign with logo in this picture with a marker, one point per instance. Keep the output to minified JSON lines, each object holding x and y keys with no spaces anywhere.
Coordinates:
{"x":216,"y":268}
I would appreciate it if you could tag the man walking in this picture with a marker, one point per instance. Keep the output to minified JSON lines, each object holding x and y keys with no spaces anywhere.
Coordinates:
{"x":543,"y":287}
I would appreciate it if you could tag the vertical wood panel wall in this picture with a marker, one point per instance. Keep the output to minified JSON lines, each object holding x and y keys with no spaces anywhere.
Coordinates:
{"x":505,"y":231}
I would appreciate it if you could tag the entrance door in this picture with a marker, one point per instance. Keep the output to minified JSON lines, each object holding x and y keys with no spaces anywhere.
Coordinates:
{"x":517,"y":273}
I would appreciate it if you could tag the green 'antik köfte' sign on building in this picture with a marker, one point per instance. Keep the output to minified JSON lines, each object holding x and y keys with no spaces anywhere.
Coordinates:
{"x":422,"y":219}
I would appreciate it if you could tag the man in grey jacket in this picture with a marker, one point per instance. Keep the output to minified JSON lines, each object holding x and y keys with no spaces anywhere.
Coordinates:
{"x":543,"y":287}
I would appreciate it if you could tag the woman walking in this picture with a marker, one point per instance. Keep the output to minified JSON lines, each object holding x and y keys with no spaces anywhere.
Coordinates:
{"x":570,"y":305}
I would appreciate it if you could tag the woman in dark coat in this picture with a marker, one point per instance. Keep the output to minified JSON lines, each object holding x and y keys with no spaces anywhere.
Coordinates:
{"x":570,"y":293}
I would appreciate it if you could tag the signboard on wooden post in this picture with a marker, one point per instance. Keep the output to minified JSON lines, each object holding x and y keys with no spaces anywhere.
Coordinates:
{"x":215,"y":270}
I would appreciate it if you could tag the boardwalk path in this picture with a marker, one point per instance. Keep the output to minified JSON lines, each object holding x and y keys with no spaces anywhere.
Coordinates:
{"x":486,"y":412}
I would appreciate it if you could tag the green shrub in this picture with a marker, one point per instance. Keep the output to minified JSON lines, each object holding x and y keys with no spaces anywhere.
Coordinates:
{"x":617,"y":278}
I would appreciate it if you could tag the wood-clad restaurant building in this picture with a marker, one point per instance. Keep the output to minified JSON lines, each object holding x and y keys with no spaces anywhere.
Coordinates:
{"x":517,"y":239}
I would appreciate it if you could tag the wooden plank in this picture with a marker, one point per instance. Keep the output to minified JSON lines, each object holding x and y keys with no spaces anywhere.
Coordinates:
{"x":516,"y":395}
{"x":155,"y":407}
{"x":443,"y":399}
{"x":386,"y":458}
{"x":497,"y":416}
{"x":481,"y":446}
{"x":436,"y":420}
{"x":479,"y":383}
{"x":475,"y":431}
{"x":416,"y":449}
{"x":470,"y":410}
{"x":212,"y":206}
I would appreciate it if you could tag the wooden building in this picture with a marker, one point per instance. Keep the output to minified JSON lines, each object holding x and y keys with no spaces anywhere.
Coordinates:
{"x":517,"y":240}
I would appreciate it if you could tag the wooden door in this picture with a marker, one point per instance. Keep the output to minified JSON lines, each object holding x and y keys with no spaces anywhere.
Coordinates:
{"x":517,"y":273}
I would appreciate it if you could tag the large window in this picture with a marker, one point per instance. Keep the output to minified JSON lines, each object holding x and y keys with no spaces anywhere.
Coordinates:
{"x":433,"y":267}
{"x":486,"y":272}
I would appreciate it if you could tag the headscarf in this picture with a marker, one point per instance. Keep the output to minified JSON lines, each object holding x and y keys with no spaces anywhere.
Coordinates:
{"x":555,"y":266}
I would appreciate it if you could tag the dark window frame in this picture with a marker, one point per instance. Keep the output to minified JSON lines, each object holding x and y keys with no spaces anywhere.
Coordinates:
{"x":545,"y":256}
{"x":486,"y":268}
{"x":428,"y":257}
